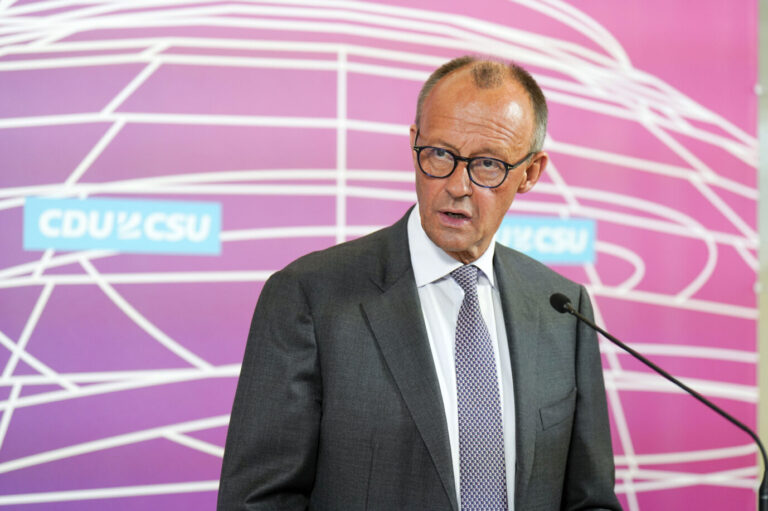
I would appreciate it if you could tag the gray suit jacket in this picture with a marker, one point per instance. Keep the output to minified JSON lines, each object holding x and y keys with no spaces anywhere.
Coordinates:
{"x":338,"y":405}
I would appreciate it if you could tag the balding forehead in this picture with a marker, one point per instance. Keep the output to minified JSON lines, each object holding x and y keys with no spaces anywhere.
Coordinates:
{"x":474,"y":79}
{"x":489,"y":75}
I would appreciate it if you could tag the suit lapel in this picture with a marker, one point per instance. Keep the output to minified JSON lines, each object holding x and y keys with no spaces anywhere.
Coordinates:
{"x":521,"y":319}
{"x":396,"y":320}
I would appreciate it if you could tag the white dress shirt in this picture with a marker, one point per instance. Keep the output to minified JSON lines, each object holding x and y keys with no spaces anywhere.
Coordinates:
{"x":441,"y":299}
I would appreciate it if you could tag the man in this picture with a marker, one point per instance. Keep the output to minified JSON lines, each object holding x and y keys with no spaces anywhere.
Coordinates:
{"x":421,"y":367}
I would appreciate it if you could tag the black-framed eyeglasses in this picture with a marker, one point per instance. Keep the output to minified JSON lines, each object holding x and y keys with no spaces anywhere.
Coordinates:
{"x":484,"y":171}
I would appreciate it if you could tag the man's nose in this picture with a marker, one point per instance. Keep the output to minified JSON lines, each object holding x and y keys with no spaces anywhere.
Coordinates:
{"x":458,"y":183}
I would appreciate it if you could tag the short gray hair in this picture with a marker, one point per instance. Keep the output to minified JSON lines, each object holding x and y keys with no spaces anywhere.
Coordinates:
{"x":489,"y":74}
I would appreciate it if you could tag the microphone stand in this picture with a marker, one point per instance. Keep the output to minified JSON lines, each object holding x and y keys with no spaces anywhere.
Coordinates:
{"x":561,"y":303}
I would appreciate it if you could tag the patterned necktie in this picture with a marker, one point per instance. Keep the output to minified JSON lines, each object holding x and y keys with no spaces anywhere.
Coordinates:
{"x":483,"y":482}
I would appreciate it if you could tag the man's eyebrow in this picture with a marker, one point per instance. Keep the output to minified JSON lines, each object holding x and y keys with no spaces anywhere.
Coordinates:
{"x":495,"y":152}
{"x":447,"y":145}
{"x":489,"y":151}
{"x":485,"y":150}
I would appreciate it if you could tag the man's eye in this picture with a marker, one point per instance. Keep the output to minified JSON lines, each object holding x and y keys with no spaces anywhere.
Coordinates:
{"x":488,"y":164}
{"x":441,"y":153}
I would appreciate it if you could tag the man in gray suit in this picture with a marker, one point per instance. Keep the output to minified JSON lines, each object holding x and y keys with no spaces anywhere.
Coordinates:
{"x":356,"y":391}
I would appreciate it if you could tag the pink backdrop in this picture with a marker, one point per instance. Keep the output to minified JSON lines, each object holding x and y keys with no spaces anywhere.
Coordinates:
{"x":118,"y":370}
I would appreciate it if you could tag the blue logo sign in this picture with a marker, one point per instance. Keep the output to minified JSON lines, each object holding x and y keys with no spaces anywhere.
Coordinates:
{"x":550,"y":239}
{"x":140,"y":226}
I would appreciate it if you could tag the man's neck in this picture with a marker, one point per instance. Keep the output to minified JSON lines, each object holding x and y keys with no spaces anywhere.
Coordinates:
{"x":430,"y":262}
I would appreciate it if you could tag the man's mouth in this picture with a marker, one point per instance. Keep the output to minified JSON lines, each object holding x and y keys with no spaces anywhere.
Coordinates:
{"x":455,"y":217}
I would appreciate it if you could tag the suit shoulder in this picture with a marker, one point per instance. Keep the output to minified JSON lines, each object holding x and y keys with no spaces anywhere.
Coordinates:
{"x":344,"y":259}
{"x":534,"y":270}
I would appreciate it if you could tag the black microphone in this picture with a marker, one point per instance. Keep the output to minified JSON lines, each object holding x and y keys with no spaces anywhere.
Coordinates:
{"x":562,"y":303}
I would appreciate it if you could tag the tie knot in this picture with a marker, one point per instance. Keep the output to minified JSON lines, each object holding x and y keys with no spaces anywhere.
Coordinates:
{"x":466,"y":277}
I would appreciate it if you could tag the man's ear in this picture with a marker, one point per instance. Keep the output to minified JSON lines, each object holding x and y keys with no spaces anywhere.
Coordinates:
{"x":414,"y":129}
{"x":534,"y":171}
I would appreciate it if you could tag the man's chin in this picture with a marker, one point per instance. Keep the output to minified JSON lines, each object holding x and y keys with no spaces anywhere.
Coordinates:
{"x":461,"y":251}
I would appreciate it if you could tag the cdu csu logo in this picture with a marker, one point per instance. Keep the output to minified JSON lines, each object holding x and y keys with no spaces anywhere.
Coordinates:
{"x":139,"y":226}
{"x":550,"y":239}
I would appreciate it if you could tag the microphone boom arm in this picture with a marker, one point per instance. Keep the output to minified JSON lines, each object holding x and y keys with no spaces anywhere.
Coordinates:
{"x":562,"y":304}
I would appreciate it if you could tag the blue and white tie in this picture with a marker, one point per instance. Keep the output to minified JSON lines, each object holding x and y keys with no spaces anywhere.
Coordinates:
{"x":483,"y":482}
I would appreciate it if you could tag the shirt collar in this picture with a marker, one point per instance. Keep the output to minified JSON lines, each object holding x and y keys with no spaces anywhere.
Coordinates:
{"x":431,"y":263}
